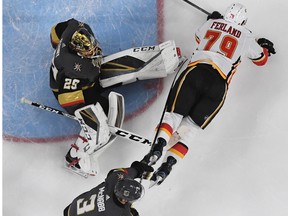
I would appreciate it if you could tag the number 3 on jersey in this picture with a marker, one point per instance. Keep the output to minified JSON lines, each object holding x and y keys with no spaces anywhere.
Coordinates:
{"x":71,"y":83}
{"x":227,"y":45}
{"x":86,"y":206}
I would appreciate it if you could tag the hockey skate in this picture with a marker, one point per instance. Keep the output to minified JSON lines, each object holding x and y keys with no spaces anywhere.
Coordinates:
{"x":72,"y":163}
{"x":155,"y":153}
{"x":79,"y":165}
{"x":163,"y":171}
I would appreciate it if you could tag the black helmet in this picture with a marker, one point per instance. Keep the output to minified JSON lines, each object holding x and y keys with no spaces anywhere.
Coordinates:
{"x":85,"y":44}
{"x":128,"y":189}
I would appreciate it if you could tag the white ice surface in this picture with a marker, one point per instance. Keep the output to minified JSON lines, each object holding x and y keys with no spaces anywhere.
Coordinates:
{"x":238,"y":166}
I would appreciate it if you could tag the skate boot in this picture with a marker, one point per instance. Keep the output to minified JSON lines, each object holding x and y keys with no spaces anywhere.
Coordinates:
{"x":155,"y":153}
{"x":164,"y":170}
{"x":72,"y":163}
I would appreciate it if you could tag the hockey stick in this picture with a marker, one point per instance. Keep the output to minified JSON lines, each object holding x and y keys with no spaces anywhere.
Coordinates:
{"x":197,"y":7}
{"x":114,"y":130}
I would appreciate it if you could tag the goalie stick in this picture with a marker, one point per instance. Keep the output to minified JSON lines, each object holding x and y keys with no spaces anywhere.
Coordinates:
{"x":114,"y":130}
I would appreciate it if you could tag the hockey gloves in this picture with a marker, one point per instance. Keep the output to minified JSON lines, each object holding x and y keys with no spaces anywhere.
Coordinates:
{"x":141,"y":168}
{"x":265,"y":43}
{"x":215,"y":15}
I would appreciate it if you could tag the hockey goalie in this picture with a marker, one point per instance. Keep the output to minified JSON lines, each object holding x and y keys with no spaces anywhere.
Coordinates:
{"x":79,"y":74}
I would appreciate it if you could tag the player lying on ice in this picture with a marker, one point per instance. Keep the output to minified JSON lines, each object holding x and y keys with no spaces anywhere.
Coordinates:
{"x":80,"y":73}
{"x":200,"y":91}
{"x":112,"y":197}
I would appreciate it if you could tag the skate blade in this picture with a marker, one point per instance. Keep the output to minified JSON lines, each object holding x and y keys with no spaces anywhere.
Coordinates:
{"x":76,"y":171}
{"x":158,"y":181}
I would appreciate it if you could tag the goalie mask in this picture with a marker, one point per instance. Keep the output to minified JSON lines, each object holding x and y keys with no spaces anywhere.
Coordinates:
{"x":236,"y":13}
{"x":85,"y":44}
{"x":128,"y":190}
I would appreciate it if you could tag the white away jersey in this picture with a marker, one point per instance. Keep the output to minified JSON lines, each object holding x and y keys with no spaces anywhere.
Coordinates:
{"x":222,"y":44}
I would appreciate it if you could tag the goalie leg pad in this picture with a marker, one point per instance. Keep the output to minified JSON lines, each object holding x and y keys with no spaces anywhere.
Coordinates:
{"x":153,"y":62}
{"x":82,"y":163}
{"x":88,"y":163}
{"x":169,"y":55}
{"x":93,"y":121}
{"x":116,"y":111}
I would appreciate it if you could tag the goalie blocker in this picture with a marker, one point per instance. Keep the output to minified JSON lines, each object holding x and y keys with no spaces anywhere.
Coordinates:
{"x":141,"y":63}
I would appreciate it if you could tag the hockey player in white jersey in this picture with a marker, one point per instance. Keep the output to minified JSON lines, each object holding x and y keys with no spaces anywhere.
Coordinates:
{"x":200,"y":91}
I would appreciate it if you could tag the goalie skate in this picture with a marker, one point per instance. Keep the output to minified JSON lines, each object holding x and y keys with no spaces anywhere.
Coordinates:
{"x":74,"y":163}
{"x":74,"y":169}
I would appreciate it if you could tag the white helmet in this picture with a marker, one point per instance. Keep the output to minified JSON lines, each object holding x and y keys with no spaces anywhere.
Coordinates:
{"x":236,"y":13}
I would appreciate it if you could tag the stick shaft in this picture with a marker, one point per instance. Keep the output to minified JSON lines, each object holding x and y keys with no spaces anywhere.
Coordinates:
{"x":47,"y":108}
{"x":114,"y":130}
{"x":197,"y":7}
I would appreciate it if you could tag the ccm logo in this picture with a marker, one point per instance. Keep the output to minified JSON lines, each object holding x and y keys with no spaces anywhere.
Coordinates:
{"x":144,"y":49}
{"x":133,"y":137}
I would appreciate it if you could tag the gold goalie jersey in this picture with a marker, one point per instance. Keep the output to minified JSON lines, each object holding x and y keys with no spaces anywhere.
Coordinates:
{"x":222,"y":44}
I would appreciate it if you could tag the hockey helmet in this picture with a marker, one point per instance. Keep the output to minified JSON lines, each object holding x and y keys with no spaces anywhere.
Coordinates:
{"x":85,"y":44}
{"x":236,"y":13}
{"x":128,"y":190}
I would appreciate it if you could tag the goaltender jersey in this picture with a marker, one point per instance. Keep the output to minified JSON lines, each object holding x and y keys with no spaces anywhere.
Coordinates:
{"x":75,"y":67}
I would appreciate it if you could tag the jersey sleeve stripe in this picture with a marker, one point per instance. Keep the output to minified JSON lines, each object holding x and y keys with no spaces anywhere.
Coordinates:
{"x":54,"y":38}
{"x":262,"y":59}
{"x":71,"y":98}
